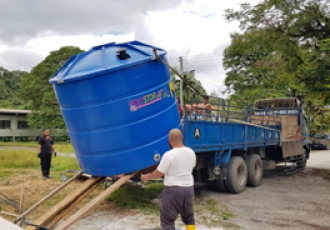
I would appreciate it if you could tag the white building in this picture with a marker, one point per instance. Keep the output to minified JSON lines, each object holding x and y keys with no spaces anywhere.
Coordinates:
{"x":13,"y":125}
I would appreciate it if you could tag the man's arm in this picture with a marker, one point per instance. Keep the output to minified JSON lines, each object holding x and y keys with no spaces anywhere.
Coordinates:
{"x":160,"y":171}
{"x":154,"y":175}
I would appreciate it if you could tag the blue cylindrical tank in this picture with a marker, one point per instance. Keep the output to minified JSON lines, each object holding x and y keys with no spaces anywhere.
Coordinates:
{"x":118,"y":104}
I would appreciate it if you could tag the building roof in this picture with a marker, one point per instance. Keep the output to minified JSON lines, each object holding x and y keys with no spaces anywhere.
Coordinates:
{"x":14,"y":111}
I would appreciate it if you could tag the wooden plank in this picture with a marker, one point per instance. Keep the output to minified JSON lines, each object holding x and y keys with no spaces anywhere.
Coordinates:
{"x":94,"y":202}
{"x":47,"y":216}
{"x":47,"y":197}
{"x":290,"y":127}
{"x":8,"y":214}
{"x":68,"y":209}
{"x":247,"y":123}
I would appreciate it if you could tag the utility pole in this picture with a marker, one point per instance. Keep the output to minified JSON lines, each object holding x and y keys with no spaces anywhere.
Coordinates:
{"x":181,"y":82}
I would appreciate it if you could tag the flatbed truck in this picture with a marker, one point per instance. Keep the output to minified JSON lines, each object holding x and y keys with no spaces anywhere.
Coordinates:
{"x":234,"y":144}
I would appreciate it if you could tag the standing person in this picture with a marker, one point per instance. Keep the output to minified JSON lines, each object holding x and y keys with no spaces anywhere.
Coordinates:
{"x":207,"y":113}
{"x":45,"y":150}
{"x":176,"y":166}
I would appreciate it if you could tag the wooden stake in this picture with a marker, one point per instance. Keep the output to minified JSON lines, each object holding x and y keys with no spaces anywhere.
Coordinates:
{"x":94,"y":202}
{"x":8,"y":214}
{"x":21,"y":200}
{"x":51,"y":213}
{"x":47,"y":197}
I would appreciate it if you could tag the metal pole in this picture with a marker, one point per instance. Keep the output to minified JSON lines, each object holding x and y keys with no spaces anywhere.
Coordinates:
{"x":181,"y":82}
{"x":15,"y":126}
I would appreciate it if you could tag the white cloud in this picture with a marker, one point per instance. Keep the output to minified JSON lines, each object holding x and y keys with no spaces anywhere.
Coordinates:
{"x":196,"y":30}
{"x":199,"y":32}
{"x":33,"y":52}
{"x":45,"y":44}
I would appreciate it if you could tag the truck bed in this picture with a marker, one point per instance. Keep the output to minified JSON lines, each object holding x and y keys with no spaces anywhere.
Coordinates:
{"x":205,"y":136}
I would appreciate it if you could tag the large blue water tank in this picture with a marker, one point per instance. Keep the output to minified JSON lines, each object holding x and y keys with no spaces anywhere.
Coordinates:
{"x":118,"y":104}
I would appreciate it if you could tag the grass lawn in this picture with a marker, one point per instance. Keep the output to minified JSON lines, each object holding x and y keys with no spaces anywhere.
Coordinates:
{"x":20,"y":171}
{"x":61,"y":146}
{"x":28,"y":159}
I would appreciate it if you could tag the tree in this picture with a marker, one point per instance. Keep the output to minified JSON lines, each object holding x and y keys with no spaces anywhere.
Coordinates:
{"x":298,"y":29}
{"x":188,"y":91}
{"x":283,"y":51}
{"x":9,"y":85}
{"x":36,"y":89}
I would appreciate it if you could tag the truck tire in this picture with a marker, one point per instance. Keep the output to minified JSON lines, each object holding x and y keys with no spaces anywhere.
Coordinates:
{"x":236,"y":175}
{"x":254,"y":170}
{"x":220,"y":185}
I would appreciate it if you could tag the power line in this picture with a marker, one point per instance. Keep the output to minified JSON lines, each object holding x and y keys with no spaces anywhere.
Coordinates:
{"x":204,"y":55}
{"x":210,"y":81}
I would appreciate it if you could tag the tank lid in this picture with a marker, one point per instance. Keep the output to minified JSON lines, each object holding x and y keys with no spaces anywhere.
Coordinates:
{"x":105,"y":58}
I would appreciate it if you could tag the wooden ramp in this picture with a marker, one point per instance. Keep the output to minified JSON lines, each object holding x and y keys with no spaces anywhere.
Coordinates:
{"x":51,"y":219}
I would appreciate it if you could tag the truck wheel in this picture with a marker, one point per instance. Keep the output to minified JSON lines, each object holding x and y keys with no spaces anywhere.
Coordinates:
{"x":220,"y":185}
{"x":254,"y":169}
{"x":236,"y":175}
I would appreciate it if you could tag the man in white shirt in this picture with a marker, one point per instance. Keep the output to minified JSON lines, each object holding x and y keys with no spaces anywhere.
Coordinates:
{"x":178,"y":195}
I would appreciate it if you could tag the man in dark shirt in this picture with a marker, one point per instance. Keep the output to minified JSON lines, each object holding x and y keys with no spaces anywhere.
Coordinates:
{"x":45,"y":150}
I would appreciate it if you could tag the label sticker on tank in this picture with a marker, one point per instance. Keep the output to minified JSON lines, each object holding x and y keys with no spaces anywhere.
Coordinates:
{"x":148,"y":99}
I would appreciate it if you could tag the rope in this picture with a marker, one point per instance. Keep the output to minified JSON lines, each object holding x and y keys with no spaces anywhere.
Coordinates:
{"x":178,"y":74}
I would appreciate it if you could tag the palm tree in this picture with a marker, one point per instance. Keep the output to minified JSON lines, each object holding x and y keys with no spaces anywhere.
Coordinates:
{"x":189,"y":81}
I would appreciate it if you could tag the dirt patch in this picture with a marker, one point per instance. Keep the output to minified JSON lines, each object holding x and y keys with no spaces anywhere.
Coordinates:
{"x":324,"y":173}
{"x":35,"y":189}
{"x":106,"y":215}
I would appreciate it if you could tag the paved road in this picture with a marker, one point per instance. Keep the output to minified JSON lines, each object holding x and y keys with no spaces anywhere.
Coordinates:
{"x":319,"y":159}
{"x":297,"y":202}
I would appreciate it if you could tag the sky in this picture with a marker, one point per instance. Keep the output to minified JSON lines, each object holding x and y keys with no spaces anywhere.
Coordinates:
{"x":194,"y":29}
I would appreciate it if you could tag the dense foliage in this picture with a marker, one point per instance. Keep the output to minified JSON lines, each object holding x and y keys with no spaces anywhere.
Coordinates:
{"x":10,"y":82}
{"x":283,"y":50}
{"x":35,"y":89}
